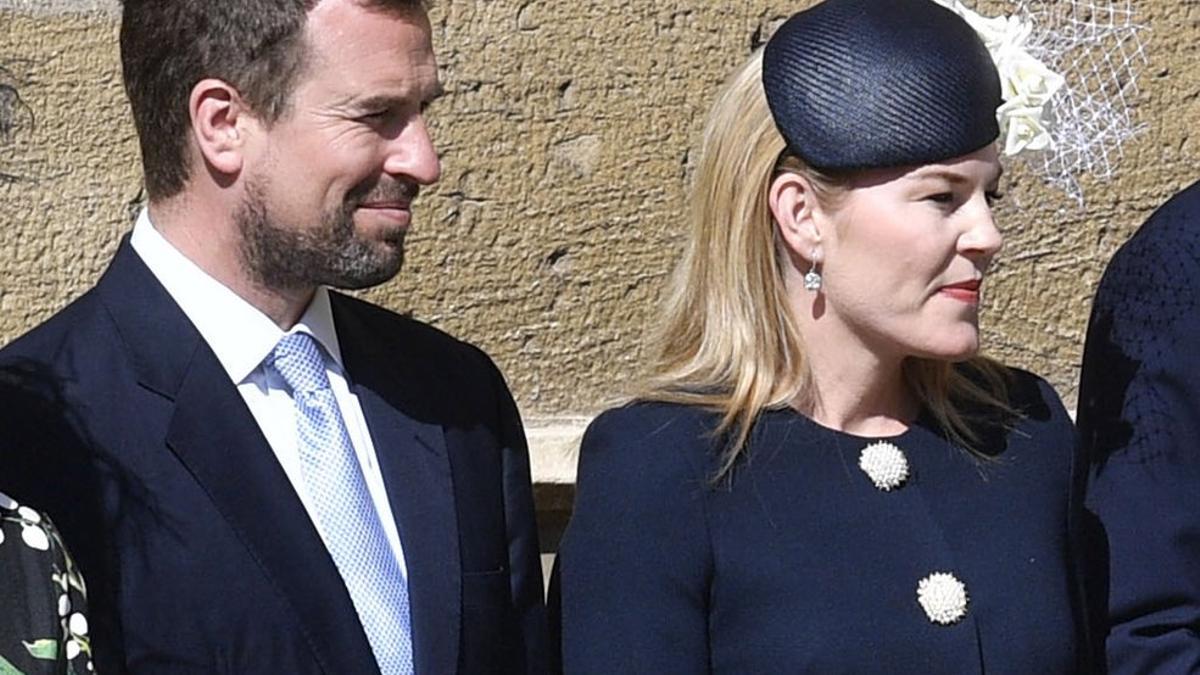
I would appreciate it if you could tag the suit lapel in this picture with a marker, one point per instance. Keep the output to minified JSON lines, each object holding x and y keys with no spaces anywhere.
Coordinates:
{"x":412,"y":452}
{"x":214,"y":435}
{"x":237,"y":468}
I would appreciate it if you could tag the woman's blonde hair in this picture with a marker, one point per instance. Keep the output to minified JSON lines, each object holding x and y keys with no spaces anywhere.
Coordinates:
{"x":727,"y":339}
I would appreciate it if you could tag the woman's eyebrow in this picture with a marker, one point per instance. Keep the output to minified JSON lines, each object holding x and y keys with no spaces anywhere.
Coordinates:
{"x":951,"y":176}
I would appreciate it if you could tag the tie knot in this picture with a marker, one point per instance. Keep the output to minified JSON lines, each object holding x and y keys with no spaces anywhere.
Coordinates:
{"x":299,"y":360}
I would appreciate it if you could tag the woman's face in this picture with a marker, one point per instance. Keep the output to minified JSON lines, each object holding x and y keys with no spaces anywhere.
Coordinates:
{"x":906,"y":254}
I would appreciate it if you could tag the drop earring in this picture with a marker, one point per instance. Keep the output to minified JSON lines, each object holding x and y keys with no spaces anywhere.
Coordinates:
{"x":812,"y":280}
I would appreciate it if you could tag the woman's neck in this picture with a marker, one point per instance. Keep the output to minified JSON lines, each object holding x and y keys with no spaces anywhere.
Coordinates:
{"x":859,"y":397}
{"x":856,"y":387}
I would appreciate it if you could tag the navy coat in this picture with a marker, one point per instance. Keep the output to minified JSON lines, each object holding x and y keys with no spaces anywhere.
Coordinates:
{"x":1139,"y":419}
{"x":800,"y":564}
{"x":200,"y":556}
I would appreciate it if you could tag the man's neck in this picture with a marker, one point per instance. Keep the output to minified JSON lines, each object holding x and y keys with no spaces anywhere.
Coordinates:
{"x":211,"y":240}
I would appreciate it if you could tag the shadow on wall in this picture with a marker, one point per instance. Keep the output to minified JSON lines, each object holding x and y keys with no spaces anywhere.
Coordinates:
{"x":15,"y":116}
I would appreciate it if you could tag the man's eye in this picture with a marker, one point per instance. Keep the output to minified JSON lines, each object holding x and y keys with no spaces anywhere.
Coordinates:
{"x":375,"y":116}
{"x":994,"y":196}
{"x":940,"y":198}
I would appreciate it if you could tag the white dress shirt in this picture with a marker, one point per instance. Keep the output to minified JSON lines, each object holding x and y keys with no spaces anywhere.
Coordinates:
{"x":242,"y":337}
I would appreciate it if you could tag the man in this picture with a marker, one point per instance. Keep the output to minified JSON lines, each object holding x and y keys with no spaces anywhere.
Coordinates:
{"x":1139,"y":418}
{"x":261,"y":475}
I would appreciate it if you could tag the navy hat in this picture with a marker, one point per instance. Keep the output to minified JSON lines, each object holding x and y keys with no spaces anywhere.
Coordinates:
{"x":856,"y":84}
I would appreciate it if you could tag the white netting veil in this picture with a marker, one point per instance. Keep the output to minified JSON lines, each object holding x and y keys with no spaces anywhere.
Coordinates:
{"x":1097,"y":46}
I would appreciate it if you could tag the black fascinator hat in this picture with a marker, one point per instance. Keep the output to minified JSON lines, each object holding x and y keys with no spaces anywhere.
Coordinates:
{"x":855,"y":84}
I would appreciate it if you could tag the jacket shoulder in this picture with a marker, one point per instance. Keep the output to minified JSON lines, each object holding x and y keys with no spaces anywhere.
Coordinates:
{"x":76,"y":325}
{"x":643,"y":437}
{"x":1032,"y":395}
{"x":1160,"y":260}
{"x":656,"y":422}
{"x":420,"y":340}
{"x":1173,"y":223}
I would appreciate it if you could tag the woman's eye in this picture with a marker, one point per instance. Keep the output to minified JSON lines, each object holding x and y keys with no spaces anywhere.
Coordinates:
{"x":994,"y":196}
{"x":941,"y":198}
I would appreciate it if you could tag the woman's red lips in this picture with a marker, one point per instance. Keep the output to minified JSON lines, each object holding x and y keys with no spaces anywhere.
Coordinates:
{"x":967,"y":291}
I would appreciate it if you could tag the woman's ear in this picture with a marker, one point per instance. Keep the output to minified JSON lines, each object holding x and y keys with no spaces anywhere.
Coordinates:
{"x":218,"y":117}
{"x":794,"y":205}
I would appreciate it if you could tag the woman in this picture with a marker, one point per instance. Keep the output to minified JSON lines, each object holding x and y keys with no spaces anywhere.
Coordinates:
{"x":821,"y":474}
{"x":43,"y":605}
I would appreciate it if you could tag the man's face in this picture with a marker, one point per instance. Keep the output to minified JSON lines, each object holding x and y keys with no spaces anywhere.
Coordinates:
{"x":329,"y":189}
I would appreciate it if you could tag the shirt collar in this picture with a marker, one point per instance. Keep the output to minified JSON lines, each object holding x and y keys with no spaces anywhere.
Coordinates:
{"x":238,"y":333}
{"x":317,"y":321}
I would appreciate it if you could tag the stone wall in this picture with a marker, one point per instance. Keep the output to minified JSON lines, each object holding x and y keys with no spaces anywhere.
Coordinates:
{"x":565,"y":136}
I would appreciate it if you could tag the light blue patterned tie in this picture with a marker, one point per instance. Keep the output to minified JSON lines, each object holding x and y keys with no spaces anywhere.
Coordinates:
{"x":345,"y":513}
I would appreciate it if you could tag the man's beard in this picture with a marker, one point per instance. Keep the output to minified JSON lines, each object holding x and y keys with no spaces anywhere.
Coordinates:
{"x":289,"y":256}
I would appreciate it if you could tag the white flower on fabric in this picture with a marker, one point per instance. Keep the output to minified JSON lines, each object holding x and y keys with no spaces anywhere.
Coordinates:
{"x":64,"y":605}
{"x":73,"y":649}
{"x":8,"y":503}
{"x":885,"y":464}
{"x":943,"y":598}
{"x":29,"y":514}
{"x":78,"y":624}
{"x":1026,"y":84}
{"x":35,"y":537}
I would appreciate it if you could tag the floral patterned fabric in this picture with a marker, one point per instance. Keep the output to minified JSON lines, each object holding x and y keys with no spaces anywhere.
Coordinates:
{"x":43,"y":623}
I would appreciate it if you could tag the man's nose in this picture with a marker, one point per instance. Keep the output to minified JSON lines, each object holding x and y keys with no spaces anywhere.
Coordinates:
{"x":411,"y":153}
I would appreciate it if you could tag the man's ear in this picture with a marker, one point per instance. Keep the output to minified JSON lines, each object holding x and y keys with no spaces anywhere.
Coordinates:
{"x":797,"y":216}
{"x":219,"y":125}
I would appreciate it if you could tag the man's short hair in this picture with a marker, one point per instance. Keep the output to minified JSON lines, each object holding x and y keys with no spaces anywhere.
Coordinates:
{"x":167,"y":46}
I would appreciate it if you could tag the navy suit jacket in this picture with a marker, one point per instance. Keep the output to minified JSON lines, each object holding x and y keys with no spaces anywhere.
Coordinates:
{"x":1139,"y":418}
{"x":199,"y":555}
